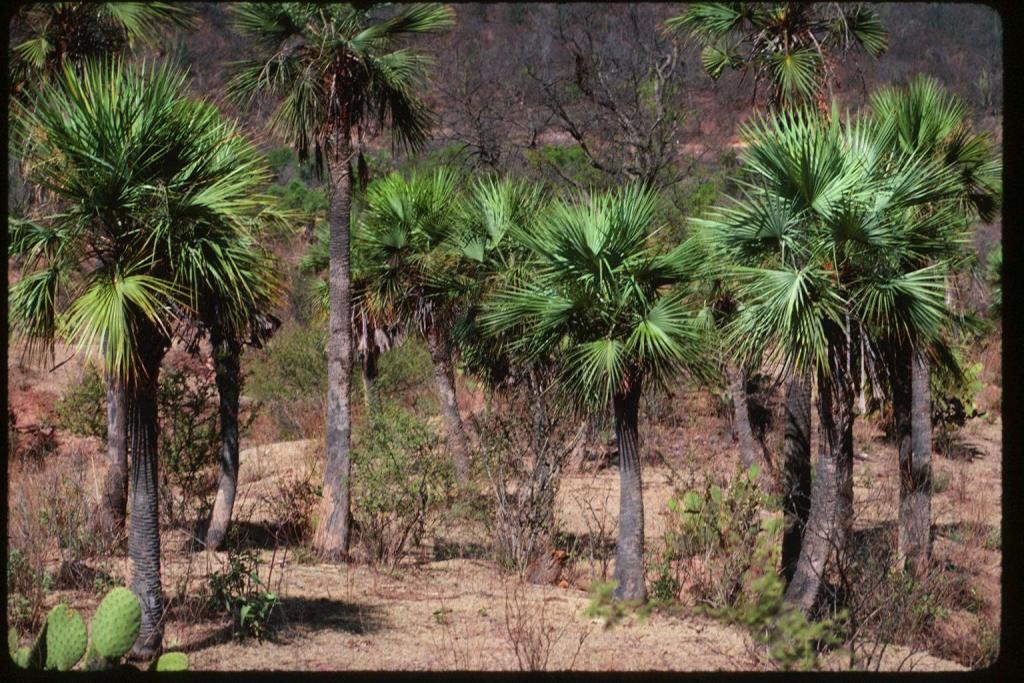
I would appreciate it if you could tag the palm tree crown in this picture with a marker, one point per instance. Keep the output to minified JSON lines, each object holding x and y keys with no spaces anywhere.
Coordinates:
{"x":785,"y":44}
{"x":613,"y":306}
{"x":336,"y":68}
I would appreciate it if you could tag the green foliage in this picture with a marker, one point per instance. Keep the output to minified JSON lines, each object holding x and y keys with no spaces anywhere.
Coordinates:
{"x":722,"y":538}
{"x":297,"y":45}
{"x":568,"y":161}
{"x":291,"y":366}
{"x":783,"y":43}
{"x":237,"y":589}
{"x":712,"y":531}
{"x":954,"y":397}
{"x":64,"y":638}
{"x":80,"y":409}
{"x":188,"y":444}
{"x":398,"y":476}
{"x":288,"y":377}
{"x":404,"y":369}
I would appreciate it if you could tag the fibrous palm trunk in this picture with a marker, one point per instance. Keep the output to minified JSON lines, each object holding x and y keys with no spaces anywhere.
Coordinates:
{"x":741,"y":417}
{"x":445,"y":377}
{"x":115,"y":480}
{"x":831,"y":514}
{"x":144,"y":532}
{"x":226,"y":352}
{"x":333,"y":532}
{"x":796,"y":477}
{"x":914,"y":544}
{"x":629,"y":553}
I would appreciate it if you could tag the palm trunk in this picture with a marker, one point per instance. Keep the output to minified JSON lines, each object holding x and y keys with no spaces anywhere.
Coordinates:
{"x":796,"y":478}
{"x":856,"y":364}
{"x":115,"y":479}
{"x":144,"y":532}
{"x":334,"y":529}
{"x":914,"y":545}
{"x":445,"y":378}
{"x":228,"y":375}
{"x":542,"y":560}
{"x":629,"y":553}
{"x":741,"y":416}
{"x":831,"y":513}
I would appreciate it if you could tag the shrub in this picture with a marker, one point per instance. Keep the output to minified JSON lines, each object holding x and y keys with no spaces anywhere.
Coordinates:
{"x":406,"y":374}
{"x":398,"y":475}
{"x":189,"y":444}
{"x":710,"y":535}
{"x":238,"y":590}
{"x":289,"y":377}
{"x":525,"y":444}
{"x":954,"y":401}
{"x":80,"y":410}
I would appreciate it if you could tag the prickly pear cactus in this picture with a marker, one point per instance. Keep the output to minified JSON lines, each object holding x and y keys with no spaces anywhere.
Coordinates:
{"x":172,"y":661}
{"x":115,"y":626}
{"x":33,"y":657}
{"x":66,"y":638}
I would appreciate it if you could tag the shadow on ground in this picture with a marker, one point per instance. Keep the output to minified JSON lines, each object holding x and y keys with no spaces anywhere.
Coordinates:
{"x":325,"y":614}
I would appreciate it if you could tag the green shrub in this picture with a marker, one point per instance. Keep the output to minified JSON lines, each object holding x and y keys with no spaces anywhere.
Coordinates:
{"x":289,"y":377}
{"x":238,"y":589}
{"x":398,"y":474}
{"x":80,"y":410}
{"x":710,"y":535}
{"x":406,"y":373}
{"x":188,"y":444}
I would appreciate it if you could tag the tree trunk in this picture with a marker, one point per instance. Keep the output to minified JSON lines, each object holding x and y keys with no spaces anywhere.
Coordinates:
{"x":226,"y":354}
{"x":111,"y":515}
{"x":914,"y":547}
{"x":544,"y":565}
{"x":796,"y":476}
{"x":445,"y":377}
{"x":629,"y":553}
{"x":831,"y":513}
{"x":335,"y":525}
{"x":144,"y":532}
{"x":741,"y":416}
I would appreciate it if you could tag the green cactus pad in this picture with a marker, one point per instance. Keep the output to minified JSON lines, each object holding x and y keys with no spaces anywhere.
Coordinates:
{"x":66,"y":638}
{"x":20,"y":657}
{"x":12,"y":640}
{"x":172,"y":661}
{"x":116,"y":623}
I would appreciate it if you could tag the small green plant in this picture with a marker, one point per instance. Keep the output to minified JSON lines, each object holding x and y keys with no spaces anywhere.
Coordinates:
{"x":239,"y":590}
{"x":442,"y":616}
{"x":63,"y":640}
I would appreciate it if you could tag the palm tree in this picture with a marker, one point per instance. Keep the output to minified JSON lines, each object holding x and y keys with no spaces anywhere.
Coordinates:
{"x":791,"y":47}
{"x":46,"y":35}
{"x":405,"y":241}
{"x":232,"y":322}
{"x":156,"y":193}
{"x":337,"y":73}
{"x":925,"y":120}
{"x":813,"y":238}
{"x":613,"y":309}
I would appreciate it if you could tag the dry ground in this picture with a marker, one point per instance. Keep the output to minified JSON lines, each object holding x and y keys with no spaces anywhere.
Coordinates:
{"x":437,"y":612}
